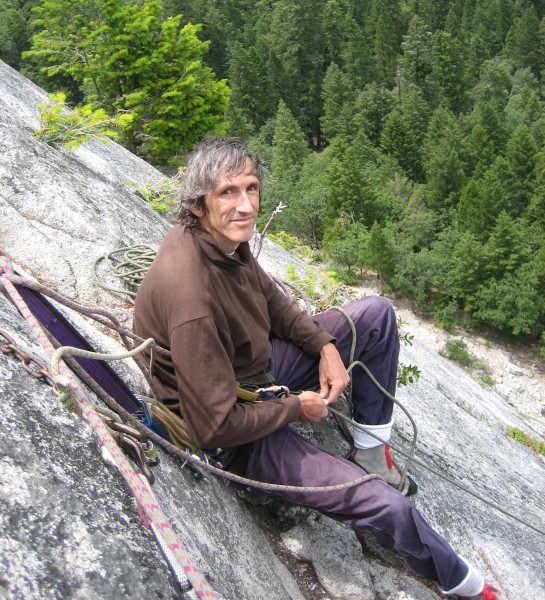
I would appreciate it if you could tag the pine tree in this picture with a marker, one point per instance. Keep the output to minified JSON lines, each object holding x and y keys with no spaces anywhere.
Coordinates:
{"x":443,"y":166}
{"x":520,"y":44}
{"x":483,"y":200}
{"x":335,"y":93}
{"x":379,"y":255}
{"x":126,"y":60}
{"x":336,"y":23}
{"x":295,"y":38}
{"x":479,"y":151}
{"x":521,"y":153}
{"x":524,"y":106}
{"x":350,"y":190}
{"x":289,"y":146}
{"x":307,"y":209}
{"x":448,"y":72}
{"x":491,"y":96}
{"x":418,"y":224}
{"x":506,"y":248}
{"x":15,"y":32}
{"x":535,"y":212}
{"x":404,"y":130}
{"x":371,"y":108}
{"x":468,"y":268}
{"x":248,"y":84}
{"x":384,"y":52}
{"x":416,"y":61}
{"x":433,"y":12}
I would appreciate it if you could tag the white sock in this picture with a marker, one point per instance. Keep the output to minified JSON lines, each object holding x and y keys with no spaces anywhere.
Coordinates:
{"x":472,"y":585}
{"x":364,"y":441}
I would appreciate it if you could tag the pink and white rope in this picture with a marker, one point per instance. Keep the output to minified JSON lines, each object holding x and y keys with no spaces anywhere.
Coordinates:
{"x":144,"y":499}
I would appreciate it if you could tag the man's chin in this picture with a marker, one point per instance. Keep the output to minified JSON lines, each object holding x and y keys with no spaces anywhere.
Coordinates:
{"x":244,"y":235}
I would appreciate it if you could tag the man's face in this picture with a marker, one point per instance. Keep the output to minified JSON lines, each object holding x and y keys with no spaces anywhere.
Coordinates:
{"x":231,"y":209}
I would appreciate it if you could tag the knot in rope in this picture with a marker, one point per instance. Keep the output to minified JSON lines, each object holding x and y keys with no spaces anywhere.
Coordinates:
{"x":61,"y":386}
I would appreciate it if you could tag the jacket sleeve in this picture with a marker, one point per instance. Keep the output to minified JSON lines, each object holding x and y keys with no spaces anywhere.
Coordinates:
{"x":207,"y":390}
{"x":289,"y":322}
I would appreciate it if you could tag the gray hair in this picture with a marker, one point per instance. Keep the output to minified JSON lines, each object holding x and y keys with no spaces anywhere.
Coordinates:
{"x":221,"y":157}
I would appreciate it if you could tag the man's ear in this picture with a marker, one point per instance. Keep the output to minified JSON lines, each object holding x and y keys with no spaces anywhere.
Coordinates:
{"x":198,"y":212}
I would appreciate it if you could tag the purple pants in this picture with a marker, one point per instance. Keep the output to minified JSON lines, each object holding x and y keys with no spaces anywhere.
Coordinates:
{"x":285,"y":457}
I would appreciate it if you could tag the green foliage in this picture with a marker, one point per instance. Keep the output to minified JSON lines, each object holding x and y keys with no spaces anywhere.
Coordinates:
{"x":125,"y":59}
{"x":298,"y":52}
{"x":457,"y":351}
{"x":14,"y":30}
{"x":448,"y":316}
{"x":335,"y":91}
{"x":522,"y":438}
{"x":291,"y":244}
{"x":321,"y":288}
{"x":62,"y":128}
{"x":379,"y":254}
{"x":487,"y":380}
{"x":347,"y":277}
{"x":346,"y":243}
{"x":371,"y":108}
{"x":424,"y":117}
{"x":407,"y":374}
{"x":348,"y":179}
{"x":160,"y":196}
{"x":289,"y":146}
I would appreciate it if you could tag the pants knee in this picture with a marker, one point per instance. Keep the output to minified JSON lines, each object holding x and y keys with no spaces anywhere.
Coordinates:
{"x":376,"y":308}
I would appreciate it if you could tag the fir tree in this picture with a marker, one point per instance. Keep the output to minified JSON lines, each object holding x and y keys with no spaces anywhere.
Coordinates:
{"x":335,"y":93}
{"x":371,"y":108}
{"x":289,"y":147}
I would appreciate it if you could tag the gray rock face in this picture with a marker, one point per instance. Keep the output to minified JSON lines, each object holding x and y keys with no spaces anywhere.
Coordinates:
{"x":69,"y":526}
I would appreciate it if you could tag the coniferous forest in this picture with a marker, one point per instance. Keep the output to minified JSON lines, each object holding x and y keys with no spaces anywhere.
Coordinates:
{"x":405,"y":137}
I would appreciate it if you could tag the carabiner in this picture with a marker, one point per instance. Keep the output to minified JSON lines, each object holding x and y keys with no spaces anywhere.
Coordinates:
{"x":134,"y":450}
{"x":274,"y":391}
{"x":126,"y":429}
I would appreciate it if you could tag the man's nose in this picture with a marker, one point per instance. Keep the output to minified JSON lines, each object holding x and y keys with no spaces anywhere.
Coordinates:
{"x":244,"y":203}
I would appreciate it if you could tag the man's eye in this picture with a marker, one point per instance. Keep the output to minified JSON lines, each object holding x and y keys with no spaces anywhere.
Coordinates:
{"x":227,"y":192}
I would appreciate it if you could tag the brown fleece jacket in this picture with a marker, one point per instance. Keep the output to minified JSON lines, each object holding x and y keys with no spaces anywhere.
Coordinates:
{"x":215,"y":313}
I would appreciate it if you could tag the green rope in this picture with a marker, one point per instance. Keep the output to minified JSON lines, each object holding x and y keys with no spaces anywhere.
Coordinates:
{"x":62,"y":382}
{"x":129,"y":264}
{"x":356,"y":363}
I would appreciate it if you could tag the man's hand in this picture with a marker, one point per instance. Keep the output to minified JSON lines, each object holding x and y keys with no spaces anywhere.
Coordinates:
{"x":332,"y":373}
{"x":313,"y":407}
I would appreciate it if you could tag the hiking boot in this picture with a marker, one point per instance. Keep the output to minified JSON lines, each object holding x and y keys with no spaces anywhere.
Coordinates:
{"x":378,"y":460}
{"x":489,"y":592}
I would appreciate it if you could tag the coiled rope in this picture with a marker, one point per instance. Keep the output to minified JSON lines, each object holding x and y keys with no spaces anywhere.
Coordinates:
{"x":129,"y":264}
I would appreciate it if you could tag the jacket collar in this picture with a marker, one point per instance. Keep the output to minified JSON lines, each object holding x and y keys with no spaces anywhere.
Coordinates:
{"x":211,"y":250}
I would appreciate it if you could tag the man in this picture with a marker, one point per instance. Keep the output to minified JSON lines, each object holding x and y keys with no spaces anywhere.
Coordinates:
{"x":226,"y":323}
